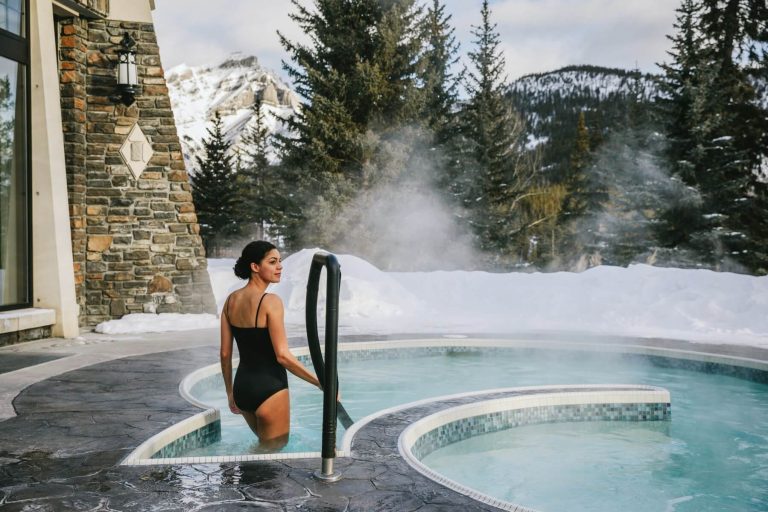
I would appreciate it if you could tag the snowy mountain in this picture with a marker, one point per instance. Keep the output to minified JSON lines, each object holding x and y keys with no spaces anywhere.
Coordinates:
{"x":231,"y":88}
{"x":579,"y":88}
{"x":551,"y":102}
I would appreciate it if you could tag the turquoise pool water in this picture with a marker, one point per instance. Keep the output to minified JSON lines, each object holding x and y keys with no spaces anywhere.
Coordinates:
{"x":712,"y":455}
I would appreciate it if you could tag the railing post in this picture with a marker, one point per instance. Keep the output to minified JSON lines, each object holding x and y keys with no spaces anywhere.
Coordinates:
{"x":326,"y":370}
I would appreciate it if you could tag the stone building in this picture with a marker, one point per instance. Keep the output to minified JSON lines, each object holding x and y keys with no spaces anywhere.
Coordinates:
{"x":96,"y":215}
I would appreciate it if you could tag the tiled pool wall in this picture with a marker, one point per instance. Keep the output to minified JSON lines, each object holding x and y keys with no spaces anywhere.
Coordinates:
{"x":196,"y":431}
{"x":714,"y":367}
{"x":210,"y":379}
{"x":465,"y":428}
{"x":203,"y":436}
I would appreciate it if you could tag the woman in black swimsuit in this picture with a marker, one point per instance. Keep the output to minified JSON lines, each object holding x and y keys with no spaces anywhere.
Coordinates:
{"x":255,"y":319}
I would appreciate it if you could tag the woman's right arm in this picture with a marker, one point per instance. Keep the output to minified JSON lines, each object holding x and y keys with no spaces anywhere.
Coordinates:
{"x":225,"y":355}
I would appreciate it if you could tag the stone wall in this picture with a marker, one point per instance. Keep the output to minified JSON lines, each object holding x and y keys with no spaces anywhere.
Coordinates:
{"x":11,"y":338}
{"x":73,"y":34}
{"x":98,"y":6}
{"x":138,"y":239}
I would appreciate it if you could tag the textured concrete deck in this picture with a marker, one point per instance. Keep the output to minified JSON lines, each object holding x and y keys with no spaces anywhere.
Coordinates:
{"x":73,"y":419}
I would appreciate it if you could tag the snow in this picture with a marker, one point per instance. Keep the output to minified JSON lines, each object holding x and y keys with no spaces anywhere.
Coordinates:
{"x":641,"y":300}
{"x":580,"y":82}
{"x":148,"y":322}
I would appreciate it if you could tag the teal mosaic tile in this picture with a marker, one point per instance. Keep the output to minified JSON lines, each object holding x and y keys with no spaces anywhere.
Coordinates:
{"x":203,"y":436}
{"x":493,"y":422}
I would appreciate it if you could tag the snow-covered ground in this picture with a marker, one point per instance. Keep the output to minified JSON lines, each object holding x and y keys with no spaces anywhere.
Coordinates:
{"x":643,"y":301}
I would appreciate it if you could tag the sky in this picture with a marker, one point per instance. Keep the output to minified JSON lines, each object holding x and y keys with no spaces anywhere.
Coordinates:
{"x":536,"y":35}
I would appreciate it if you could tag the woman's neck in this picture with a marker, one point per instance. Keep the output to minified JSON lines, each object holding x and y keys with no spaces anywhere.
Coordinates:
{"x":258,"y":284}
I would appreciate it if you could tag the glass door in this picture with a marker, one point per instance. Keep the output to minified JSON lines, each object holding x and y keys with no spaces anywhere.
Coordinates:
{"x":15,"y":201}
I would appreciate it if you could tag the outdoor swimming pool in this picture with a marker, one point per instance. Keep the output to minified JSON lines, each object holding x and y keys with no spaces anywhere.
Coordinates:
{"x":713,"y":455}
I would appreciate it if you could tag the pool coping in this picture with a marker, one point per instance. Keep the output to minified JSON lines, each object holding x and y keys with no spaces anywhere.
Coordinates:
{"x":142,"y":455}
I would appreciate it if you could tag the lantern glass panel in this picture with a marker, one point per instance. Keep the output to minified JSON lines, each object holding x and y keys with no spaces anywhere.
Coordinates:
{"x":133,"y":79}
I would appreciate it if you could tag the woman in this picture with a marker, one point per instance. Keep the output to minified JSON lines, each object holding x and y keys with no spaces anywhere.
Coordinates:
{"x":255,"y":319}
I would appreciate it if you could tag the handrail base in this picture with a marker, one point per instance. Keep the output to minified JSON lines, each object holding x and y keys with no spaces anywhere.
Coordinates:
{"x":327,"y":474}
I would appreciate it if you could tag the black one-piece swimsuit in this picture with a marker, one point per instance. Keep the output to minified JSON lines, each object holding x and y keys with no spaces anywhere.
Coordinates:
{"x":259,"y":375}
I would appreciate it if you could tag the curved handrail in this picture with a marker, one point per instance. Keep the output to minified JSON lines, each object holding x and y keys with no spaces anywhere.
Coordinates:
{"x":326,"y":368}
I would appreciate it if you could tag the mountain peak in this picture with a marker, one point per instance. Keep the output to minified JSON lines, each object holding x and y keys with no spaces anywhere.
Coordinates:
{"x":240,"y":60}
{"x":230,"y":88}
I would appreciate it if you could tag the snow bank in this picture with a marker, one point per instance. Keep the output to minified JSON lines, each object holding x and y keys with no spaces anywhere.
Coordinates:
{"x":148,"y":322}
{"x":643,"y":301}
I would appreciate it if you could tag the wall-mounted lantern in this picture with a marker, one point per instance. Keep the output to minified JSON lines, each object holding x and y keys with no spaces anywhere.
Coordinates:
{"x":127,"y":75}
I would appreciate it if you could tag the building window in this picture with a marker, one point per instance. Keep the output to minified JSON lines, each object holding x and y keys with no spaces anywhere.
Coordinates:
{"x":11,"y":18}
{"x":15,"y":257}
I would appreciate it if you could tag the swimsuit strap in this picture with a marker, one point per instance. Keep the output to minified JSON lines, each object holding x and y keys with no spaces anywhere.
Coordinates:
{"x":256,"y":320}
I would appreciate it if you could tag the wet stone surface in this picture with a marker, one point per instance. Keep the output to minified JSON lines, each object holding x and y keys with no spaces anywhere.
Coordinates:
{"x":63,"y":450}
{"x":11,"y":362}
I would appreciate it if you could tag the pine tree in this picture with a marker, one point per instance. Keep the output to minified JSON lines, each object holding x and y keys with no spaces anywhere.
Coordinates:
{"x":355,"y":76}
{"x":679,"y":87}
{"x":584,"y":201}
{"x":439,"y":84}
{"x":735,"y":131}
{"x":717,"y":131}
{"x":498,"y":171}
{"x":263,"y":191}
{"x":439,"y":102}
{"x":394,"y":67}
{"x":580,"y":198}
{"x":214,"y":189}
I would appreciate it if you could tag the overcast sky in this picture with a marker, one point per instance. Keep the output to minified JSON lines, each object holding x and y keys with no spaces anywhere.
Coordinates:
{"x":536,"y":35}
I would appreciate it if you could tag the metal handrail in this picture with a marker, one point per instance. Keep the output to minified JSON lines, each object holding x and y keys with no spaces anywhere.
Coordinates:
{"x":326,"y":370}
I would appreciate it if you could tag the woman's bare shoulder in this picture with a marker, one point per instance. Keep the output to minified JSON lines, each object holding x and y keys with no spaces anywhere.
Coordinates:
{"x":237,"y":293}
{"x":272,"y":302}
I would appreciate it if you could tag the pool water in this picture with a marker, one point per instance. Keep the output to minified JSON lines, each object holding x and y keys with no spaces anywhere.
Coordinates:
{"x":712,"y":455}
{"x":609,"y":466}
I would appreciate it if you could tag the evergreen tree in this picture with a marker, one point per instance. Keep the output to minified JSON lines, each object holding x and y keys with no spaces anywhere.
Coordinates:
{"x":734,"y":128}
{"x":264,"y":193}
{"x":580,"y":197}
{"x":439,"y":84}
{"x":439,"y":89}
{"x":356,"y":75}
{"x":394,"y":67}
{"x":498,"y":171}
{"x":585,"y":199}
{"x":214,"y":188}
{"x":717,"y":128}
{"x":679,"y":87}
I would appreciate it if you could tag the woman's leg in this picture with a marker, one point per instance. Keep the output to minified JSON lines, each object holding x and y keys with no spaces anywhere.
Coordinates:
{"x":272,"y":420}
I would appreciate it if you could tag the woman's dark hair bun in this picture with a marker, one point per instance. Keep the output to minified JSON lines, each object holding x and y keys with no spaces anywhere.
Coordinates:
{"x":254,"y":252}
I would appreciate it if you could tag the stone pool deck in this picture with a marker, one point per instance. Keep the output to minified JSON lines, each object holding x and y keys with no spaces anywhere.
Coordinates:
{"x":71,"y":410}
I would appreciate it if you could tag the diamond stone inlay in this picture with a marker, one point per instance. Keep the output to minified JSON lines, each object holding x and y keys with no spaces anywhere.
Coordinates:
{"x":136,"y":151}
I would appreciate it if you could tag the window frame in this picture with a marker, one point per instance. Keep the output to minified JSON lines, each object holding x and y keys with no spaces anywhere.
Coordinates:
{"x":16,"y":47}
